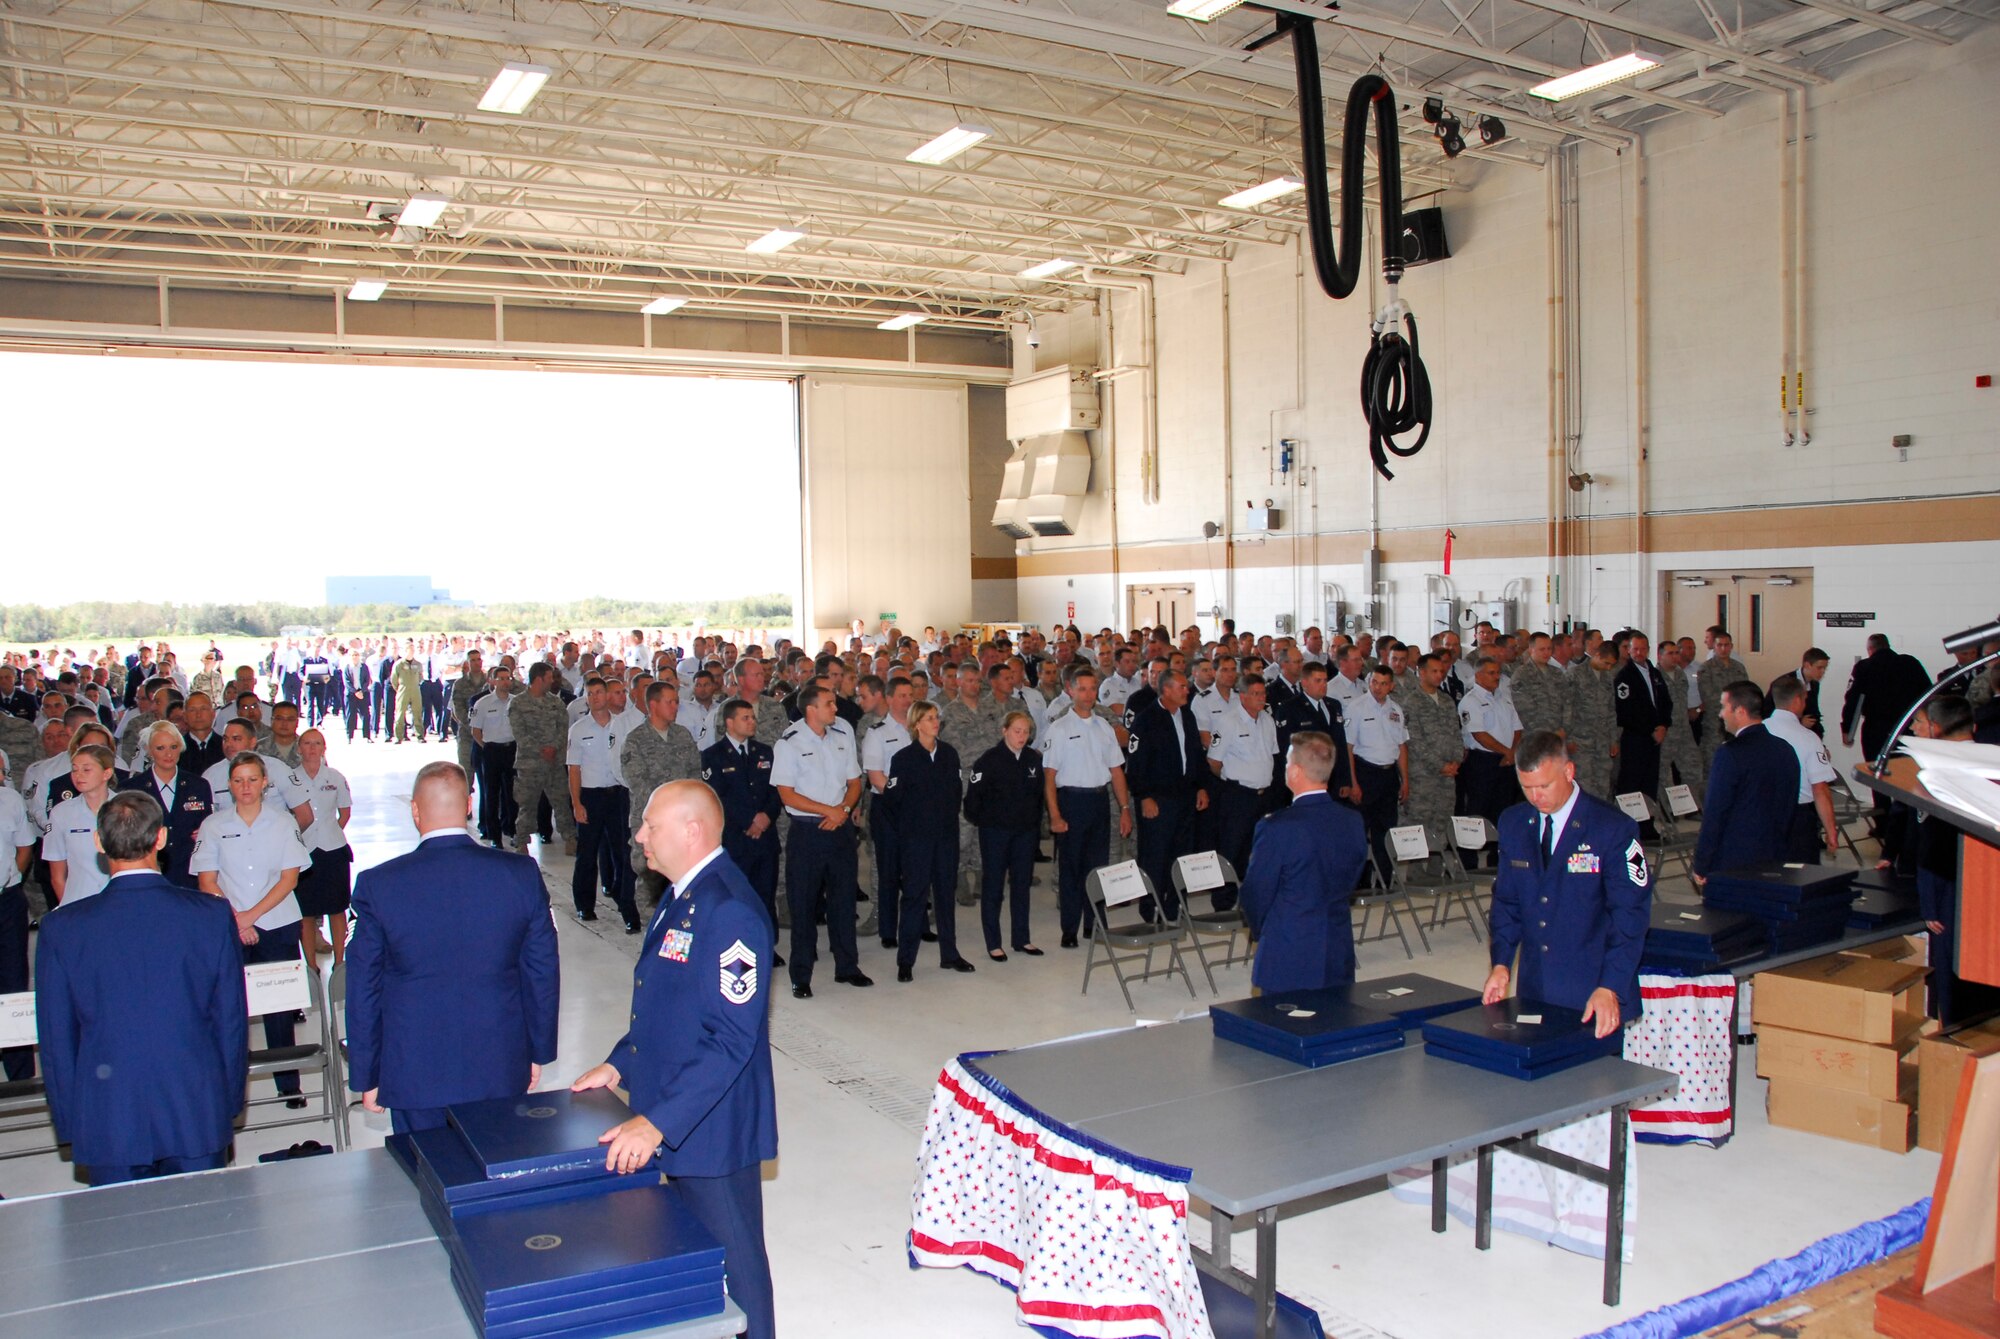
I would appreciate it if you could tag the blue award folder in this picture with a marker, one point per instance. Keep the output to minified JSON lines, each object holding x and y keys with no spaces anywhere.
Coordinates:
{"x":1523,"y":1038}
{"x":1775,"y":881}
{"x":1307,"y":1027}
{"x":538,"y":1132}
{"x":448,"y":1171}
{"x":594,"y":1313}
{"x":545,"y":1252}
{"x":1411,"y":998}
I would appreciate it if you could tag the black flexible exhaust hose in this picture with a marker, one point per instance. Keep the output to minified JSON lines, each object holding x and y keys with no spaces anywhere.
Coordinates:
{"x":1395,"y":388}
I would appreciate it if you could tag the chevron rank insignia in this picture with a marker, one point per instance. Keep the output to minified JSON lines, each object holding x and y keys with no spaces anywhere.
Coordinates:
{"x":1635,"y":861}
{"x":739,"y":973}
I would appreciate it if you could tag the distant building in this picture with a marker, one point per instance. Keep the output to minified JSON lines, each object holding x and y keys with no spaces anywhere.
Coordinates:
{"x":412,"y":592}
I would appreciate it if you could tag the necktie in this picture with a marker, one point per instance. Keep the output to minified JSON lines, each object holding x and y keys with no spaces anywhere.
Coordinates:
{"x":1548,"y":840}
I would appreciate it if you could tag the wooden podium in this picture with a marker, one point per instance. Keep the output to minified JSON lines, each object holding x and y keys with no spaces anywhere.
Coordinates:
{"x":1954,"y":1293}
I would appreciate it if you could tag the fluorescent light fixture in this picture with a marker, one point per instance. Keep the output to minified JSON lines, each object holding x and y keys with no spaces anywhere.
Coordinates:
{"x":367,"y":290}
{"x":775,"y":240}
{"x":1592,"y":77}
{"x":422,"y":210}
{"x":660,"y":306}
{"x":1201,"y":11}
{"x":903,"y":322}
{"x":950,"y":144}
{"x":1048,"y":268}
{"x":514,"y":87}
{"x":1253,"y":196}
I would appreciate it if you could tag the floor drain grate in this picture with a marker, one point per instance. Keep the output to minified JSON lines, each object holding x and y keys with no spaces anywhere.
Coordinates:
{"x":883,"y":1091}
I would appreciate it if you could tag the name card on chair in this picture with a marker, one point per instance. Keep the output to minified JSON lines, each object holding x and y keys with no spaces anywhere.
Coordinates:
{"x":1680,"y":801}
{"x":1469,"y":833}
{"x":1201,"y":872}
{"x":275,"y":987}
{"x":1408,"y":843}
{"x":1633,"y":805}
{"x":1121,"y":883}
{"x":17,"y":1019}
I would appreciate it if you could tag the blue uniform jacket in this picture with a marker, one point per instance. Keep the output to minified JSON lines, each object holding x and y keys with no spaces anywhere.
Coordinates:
{"x":1581,"y":923}
{"x":1304,"y":862}
{"x":743,"y":784}
{"x":926,"y":789}
{"x":452,"y":978}
{"x":1752,"y":802}
{"x":1162,"y":765}
{"x":139,"y":1004}
{"x":193,"y":805}
{"x":697,"y":1058}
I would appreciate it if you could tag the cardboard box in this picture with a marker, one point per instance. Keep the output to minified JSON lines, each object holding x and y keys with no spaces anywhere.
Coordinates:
{"x":1861,"y":999}
{"x":1841,"y":1308}
{"x":1835,"y":1062}
{"x":1857,"y":1118}
{"x":1940,"y":1062}
{"x":1907,"y":948}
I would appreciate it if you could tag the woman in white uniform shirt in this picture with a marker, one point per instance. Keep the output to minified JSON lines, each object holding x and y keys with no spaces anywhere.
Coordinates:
{"x":252,"y":855}
{"x":76,"y":868}
{"x":325,"y":888}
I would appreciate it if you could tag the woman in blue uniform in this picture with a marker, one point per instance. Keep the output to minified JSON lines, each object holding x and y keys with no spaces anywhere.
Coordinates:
{"x":1004,"y":802}
{"x":924,"y":776}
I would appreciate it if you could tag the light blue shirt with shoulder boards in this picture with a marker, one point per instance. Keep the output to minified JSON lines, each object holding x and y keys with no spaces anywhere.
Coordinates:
{"x":881,"y":745}
{"x":1376,"y":730}
{"x":816,"y":766}
{"x":1246,"y":746}
{"x":593,"y":751}
{"x":248,"y":859}
{"x":17,"y":832}
{"x":1481,"y":712}
{"x":1081,"y":751}
{"x":72,"y":840}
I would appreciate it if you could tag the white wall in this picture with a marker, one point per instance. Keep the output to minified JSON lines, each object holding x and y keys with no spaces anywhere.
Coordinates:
{"x":886,"y":500}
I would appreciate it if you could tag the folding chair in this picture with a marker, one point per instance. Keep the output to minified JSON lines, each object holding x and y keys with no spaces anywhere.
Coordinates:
{"x":1852,"y":811}
{"x":314,"y":1058}
{"x":1676,"y":823}
{"x":1453,"y":897}
{"x":1207,"y":872}
{"x":1394,"y":901}
{"x":1473,"y":835}
{"x":336,"y":1026}
{"x":24,"y":1103}
{"x":1121,"y":885}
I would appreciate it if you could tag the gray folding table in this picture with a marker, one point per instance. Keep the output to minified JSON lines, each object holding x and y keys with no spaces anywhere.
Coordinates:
{"x":1258,"y":1133}
{"x":320,"y":1248}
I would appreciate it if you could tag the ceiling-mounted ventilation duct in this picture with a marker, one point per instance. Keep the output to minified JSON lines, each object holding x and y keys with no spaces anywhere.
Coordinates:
{"x":1043,"y":484}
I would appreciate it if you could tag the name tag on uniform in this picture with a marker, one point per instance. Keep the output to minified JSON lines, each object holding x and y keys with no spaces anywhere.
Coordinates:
{"x":674,"y":948}
{"x":1584,"y":863}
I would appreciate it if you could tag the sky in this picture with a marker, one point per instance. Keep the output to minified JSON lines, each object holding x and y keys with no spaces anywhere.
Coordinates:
{"x":499,"y":484}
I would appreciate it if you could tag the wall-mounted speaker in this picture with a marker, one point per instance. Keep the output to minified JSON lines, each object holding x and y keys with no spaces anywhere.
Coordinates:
{"x":1423,"y":237}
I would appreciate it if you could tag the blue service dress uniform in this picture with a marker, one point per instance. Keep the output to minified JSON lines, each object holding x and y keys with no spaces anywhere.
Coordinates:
{"x":1169,"y":769}
{"x":926,"y":789}
{"x":1751,"y":805}
{"x":145,"y":1041}
{"x":191,"y":807}
{"x":740,"y":776}
{"x":1304,"y":863}
{"x":1578,"y":919}
{"x":452,"y":978}
{"x":1639,"y":694}
{"x":696,"y":1062}
{"x":1302,"y":712}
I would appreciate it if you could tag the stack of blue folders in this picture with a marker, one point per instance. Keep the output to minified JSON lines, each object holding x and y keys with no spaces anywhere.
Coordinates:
{"x":543,"y":1241}
{"x":1700,"y":938}
{"x":1801,"y":906}
{"x":1882,"y":898}
{"x":1523,"y":1038}
{"x":1307,"y":1027}
{"x":1411,"y":998}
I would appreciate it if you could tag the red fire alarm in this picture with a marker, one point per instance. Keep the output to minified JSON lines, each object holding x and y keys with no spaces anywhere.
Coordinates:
{"x":1984,"y":381}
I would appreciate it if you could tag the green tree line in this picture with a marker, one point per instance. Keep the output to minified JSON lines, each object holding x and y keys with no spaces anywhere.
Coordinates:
{"x":113,"y":621}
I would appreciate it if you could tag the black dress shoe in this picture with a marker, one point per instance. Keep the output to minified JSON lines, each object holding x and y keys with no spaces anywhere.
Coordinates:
{"x":930,"y":936}
{"x":958,"y":965}
{"x":583,"y":916}
{"x":802,"y":992}
{"x":996,"y":954}
{"x":777,"y":960}
{"x":855,"y":979}
{"x":295,"y":1103}
{"x":1028,"y":949}
{"x":888,"y":941}
{"x":1069,"y":941}
{"x":905,"y":974}
{"x":633,"y":927}
{"x":1041,"y":859}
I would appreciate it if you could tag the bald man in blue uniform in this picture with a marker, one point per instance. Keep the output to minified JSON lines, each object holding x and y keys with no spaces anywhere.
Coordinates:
{"x":1305,"y":860}
{"x":1573,"y":895}
{"x":452,"y":979}
{"x":140,"y":1008}
{"x":696,"y":1062}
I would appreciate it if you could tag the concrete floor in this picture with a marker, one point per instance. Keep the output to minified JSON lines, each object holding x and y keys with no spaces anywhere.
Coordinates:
{"x":854,"y":1071}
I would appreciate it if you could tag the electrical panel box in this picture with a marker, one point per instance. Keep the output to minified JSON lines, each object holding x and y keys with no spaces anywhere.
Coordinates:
{"x":1285,"y":625}
{"x":1259,"y":520}
{"x":1444,"y":616}
{"x":1500,"y":613}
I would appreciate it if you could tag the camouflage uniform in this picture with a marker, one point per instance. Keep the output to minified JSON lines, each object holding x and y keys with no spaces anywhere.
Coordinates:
{"x":1980,"y":691}
{"x":288,"y":754}
{"x":772,"y":721}
{"x":130,"y":740}
{"x":970,"y":731}
{"x":1716,"y":675}
{"x":1539,"y":695}
{"x":1591,"y":721}
{"x":22,"y":744}
{"x":1681,"y":751}
{"x":469,"y":686}
{"x":1407,"y":683}
{"x":540,"y":723}
{"x":1435,"y":743}
{"x":648,"y":761}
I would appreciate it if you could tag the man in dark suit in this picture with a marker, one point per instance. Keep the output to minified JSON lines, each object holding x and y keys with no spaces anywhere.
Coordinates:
{"x":140,"y":1008}
{"x":696,"y":1062}
{"x":1165,"y":770}
{"x":452,"y":973}
{"x":1312,"y":708}
{"x":1304,"y":862}
{"x":1753,"y":790}
{"x":1645,"y":710}
{"x":1573,"y":896}
{"x":1884,"y":685}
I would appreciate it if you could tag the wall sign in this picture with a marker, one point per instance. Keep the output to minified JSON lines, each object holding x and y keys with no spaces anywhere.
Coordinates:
{"x":1846,"y":620}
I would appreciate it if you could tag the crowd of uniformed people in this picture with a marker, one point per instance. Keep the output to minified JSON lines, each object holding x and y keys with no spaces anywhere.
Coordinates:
{"x":969,"y":762}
